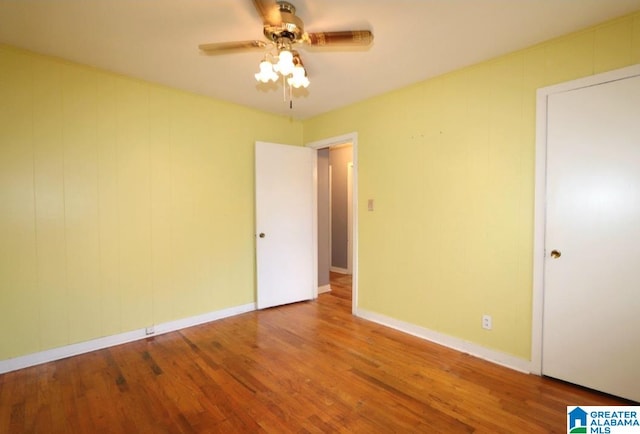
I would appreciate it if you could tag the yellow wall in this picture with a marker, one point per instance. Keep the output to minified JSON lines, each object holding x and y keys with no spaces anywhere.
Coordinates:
{"x":450,"y":164}
{"x":122,"y":203}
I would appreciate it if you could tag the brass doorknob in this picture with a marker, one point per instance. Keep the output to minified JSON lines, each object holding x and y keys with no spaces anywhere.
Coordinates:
{"x":261,"y":235}
{"x":555,"y":254}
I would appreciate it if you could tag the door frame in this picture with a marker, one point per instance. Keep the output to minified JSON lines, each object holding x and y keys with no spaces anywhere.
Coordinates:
{"x":539,"y":249}
{"x":351,"y":138}
{"x":350,"y":215}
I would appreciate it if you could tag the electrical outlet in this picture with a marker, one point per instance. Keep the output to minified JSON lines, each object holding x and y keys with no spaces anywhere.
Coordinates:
{"x":149,"y":330}
{"x":487,"y":322}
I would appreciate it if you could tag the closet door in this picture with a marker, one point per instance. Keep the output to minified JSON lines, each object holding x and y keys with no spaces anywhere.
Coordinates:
{"x":591,"y":325}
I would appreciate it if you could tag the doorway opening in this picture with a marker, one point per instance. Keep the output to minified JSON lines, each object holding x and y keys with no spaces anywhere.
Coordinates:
{"x":336,"y":181}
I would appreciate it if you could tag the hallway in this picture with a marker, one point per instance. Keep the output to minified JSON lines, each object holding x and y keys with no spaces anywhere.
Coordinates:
{"x":341,"y":286}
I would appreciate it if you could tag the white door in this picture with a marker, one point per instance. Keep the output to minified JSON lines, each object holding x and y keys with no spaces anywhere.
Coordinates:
{"x":284,"y":224}
{"x":591,"y":325}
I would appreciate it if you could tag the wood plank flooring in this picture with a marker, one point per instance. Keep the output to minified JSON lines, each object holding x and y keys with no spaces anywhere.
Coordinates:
{"x":302,"y":368}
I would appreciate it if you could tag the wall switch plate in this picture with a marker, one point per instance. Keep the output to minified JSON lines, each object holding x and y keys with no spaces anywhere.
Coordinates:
{"x":370,"y":205}
{"x":487,"y":322}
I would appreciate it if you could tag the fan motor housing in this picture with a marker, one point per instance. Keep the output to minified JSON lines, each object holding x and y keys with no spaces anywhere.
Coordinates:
{"x":290,"y":27}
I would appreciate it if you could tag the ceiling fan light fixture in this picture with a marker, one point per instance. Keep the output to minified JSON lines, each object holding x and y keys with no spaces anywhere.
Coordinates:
{"x":285,"y":63}
{"x":298,"y":77}
{"x":284,"y":30}
{"x":266,"y":73}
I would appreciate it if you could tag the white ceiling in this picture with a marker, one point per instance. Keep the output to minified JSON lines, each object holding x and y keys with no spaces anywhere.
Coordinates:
{"x":156,"y":40}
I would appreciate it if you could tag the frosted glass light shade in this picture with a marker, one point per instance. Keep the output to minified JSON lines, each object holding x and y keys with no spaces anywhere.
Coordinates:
{"x":266,"y":73}
{"x":285,"y":63}
{"x":298,"y":77}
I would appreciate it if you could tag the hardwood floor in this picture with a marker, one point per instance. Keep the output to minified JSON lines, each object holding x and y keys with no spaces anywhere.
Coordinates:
{"x":306,"y":367}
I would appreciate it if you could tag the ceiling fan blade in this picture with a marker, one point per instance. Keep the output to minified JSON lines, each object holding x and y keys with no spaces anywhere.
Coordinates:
{"x":223,"y":47}
{"x":269,"y":11}
{"x":348,"y":37}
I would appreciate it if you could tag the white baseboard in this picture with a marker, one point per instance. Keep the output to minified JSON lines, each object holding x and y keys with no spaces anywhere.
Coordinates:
{"x":51,"y":355}
{"x":324,"y":288}
{"x":497,"y":357}
{"x":339,"y":270}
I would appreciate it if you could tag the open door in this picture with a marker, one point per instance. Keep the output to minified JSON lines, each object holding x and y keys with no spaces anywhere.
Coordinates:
{"x":285,"y":216}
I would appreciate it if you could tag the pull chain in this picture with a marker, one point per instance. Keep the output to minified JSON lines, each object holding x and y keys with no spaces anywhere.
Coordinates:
{"x":284,"y":89}
{"x":286,"y":85}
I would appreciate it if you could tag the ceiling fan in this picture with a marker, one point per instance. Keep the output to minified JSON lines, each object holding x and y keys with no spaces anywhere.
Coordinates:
{"x":283,"y":30}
